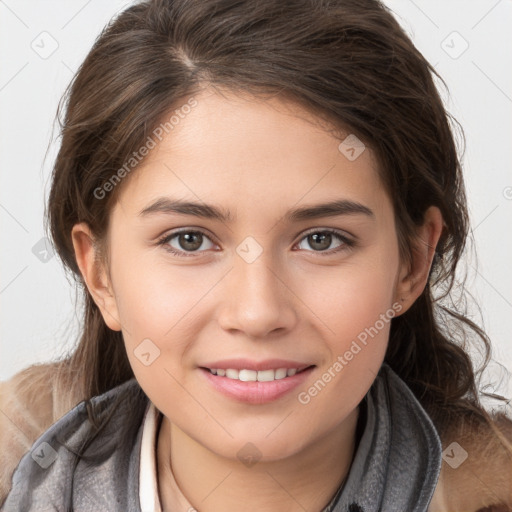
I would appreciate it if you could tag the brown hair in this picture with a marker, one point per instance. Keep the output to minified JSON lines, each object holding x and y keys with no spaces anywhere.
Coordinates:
{"x":349,"y":62}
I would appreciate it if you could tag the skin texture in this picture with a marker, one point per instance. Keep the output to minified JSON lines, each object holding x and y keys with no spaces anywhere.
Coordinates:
{"x":257,"y":158}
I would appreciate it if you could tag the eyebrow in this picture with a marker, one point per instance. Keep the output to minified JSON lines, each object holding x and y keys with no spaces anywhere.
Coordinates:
{"x":330,"y":209}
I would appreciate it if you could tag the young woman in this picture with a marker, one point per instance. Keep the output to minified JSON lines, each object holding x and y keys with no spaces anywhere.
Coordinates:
{"x":263,"y":205}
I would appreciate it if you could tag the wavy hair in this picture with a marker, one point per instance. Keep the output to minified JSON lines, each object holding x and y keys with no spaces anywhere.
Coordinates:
{"x":347,"y":61}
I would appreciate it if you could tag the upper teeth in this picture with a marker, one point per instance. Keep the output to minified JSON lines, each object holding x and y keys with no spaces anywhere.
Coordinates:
{"x":252,"y":375}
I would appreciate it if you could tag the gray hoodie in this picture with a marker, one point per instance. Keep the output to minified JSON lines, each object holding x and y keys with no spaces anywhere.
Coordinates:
{"x":395,"y":467}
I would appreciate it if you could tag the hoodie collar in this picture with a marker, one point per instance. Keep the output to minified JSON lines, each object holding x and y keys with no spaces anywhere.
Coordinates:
{"x":397,"y":462}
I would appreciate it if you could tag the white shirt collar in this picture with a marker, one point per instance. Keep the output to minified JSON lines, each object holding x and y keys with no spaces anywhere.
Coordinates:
{"x":148,"y":481}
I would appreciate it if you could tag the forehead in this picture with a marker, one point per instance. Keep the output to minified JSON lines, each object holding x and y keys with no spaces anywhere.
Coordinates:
{"x":246,"y":152}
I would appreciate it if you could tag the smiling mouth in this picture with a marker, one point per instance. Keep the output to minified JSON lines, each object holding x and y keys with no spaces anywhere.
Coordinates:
{"x":245,"y":375}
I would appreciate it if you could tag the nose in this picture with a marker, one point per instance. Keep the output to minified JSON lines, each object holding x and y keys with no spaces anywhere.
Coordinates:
{"x":257,"y":301}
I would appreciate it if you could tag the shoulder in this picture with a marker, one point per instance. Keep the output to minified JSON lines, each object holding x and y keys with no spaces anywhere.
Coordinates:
{"x":476,"y":472}
{"x":26,"y":410}
{"x":50,"y":461}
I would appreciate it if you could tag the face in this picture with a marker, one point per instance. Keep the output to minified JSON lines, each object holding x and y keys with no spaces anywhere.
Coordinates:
{"x":276,"y":278}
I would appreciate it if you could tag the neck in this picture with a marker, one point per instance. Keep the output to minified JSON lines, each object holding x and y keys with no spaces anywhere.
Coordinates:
{"x":306,"y":480}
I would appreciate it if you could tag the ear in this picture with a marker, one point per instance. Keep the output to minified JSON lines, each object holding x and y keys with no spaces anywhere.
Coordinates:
{"x":413,"y":276}
{"x":95,"y":274}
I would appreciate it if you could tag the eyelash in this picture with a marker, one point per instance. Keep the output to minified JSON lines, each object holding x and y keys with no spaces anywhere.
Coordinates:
{"x":347,"y":242}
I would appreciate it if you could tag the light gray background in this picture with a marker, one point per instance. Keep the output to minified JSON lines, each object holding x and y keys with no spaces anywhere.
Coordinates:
{"x":37,"y":316}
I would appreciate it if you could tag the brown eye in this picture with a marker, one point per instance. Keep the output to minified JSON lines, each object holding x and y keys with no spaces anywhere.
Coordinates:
{"x":186,"y":243}
{"x":321,"y":241}
{"x":190,"y":241}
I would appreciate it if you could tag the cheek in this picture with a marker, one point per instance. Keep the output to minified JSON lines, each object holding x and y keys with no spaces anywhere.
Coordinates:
{"x":351,"y":298}
{"x":156,"y":308}
{"x":155,"y":299}
{"x":357,"y":319}
{"x":162,"y":311}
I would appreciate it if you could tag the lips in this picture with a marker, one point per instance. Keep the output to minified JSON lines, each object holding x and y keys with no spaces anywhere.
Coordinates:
{"x":256,"y":382}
